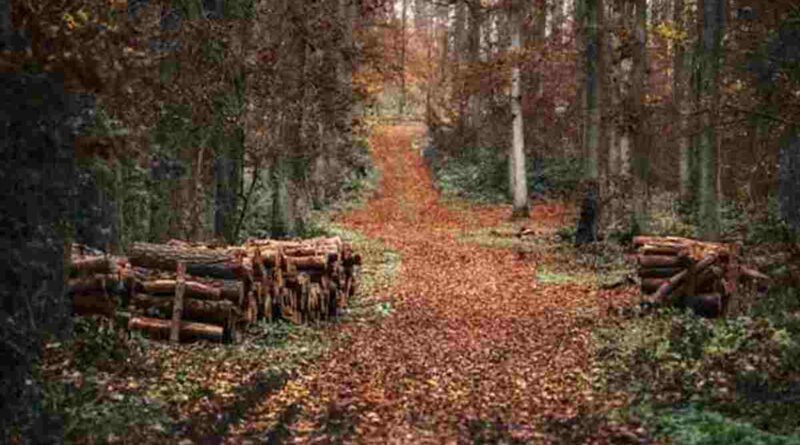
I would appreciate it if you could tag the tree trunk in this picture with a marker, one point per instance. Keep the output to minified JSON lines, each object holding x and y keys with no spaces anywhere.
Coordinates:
{"x":641,"y":164}
{"x":589,"y":15}
{"x":403,"y":37}
{"x":521,"y":208}
{"x":713,"y":29}
{"x":682,"y":65}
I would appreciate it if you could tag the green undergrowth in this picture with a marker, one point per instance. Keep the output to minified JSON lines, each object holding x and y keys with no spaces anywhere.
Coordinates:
{"x":106,"y":385}
{"x":379,"y":271}
{"x":558,"y":260}
{"x":700,"y":381}
{"x":480,"y":174}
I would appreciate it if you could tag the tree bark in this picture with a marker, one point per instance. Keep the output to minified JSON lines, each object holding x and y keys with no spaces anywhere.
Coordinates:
{"x":520,"y":207}
{"x":641,"y":164}
{"x":713,"y":16}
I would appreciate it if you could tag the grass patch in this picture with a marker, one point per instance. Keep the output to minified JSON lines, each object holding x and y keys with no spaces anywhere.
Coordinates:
{"x":546,"y":277}
{"x":380,"y":269}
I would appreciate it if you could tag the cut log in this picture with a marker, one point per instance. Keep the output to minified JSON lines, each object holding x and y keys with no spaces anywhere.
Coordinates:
{"x":754,"y":274}
{"x":84,"y":285}
{"x":660,"y":272}
{"x":668,"y":287}
{"x":193,"y":289}
{"x":708,"y":305}
{"x":231,"y":290}
{"x":650,"y":285}
{"x":160,"y":329}
{"x":662,"y":261}
{"x":165,"y":257}
{"x":642,"y":240}
{"x":216,"y":312}
{"x":93,"y":304}
{"x":225,"y":271}
{"x":177,"y":305}
{"x":664,"y":250}
{"x":90,"y":266}
{"x":319,"y":262}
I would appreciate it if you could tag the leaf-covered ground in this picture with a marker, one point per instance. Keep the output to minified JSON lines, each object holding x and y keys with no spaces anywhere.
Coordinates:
{"x":473,"y":347}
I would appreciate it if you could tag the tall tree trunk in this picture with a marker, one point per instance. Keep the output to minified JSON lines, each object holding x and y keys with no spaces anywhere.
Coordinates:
{"x":474,"y":50}
{"x":521,"y":208}
{"x":288,"y":183}
{"x":403,"y":37}
{"x":713,"y":20}
{"x":641,"y":164}
{"x":682,"y":64}
{"x":589,"y":13}
{"x":556,"y":22}
{"x":459,"y":49}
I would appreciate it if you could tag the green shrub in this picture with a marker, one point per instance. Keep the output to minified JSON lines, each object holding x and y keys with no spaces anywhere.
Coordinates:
{"x":694,"y":426}
{"x":97,"y":344}
{"x":770,"y":228}
{"x":91,"y":415}
{"x":481,"y":174}
{"x":478,"y":174}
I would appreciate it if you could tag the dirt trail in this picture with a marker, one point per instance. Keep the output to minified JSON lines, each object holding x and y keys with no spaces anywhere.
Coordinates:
{"x":474,"y":350}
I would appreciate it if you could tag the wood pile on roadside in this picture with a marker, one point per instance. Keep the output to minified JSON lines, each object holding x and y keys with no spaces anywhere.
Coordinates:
{"x":186,"y":291}
{"x":706,"y":277}
{"x":97,"y":284}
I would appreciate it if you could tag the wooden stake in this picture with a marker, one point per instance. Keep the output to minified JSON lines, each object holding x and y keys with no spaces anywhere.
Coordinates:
{"x":177,"y":307}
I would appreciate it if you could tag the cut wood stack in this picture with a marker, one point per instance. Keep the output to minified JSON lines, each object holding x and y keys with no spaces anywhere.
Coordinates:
{"x":303,"y":280}
{"x":97,"y":284}
{"x":231,"y":287}
{"x":189,"y":291}
{"x":182,"y":291}
{"x":684,"y":272}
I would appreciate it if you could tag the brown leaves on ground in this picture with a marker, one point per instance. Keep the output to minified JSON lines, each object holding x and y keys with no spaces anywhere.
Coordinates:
{"x":475,"y":350}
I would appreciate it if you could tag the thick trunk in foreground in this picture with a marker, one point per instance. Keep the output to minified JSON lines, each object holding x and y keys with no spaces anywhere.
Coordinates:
{"x":589,"y":15}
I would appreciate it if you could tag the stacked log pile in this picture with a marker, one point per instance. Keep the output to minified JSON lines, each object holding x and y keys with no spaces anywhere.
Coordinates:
{"x":184,"y":291}
{"x":97,"y":284}
{"x":302,"y":281}
{"x":703,"y":276}
{"x":189,"y":291}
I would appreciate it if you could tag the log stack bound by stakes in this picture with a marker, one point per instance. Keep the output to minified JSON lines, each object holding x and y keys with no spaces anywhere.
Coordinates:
{"x":185,"y":291}
{"x":706,"y":277}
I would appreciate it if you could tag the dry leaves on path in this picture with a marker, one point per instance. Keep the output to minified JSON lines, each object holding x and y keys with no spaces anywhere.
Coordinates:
{"x":475,"y":348}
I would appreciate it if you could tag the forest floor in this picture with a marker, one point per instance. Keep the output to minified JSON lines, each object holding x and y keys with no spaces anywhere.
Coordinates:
{"x":484,"y":339}
{"x":463,"y":331}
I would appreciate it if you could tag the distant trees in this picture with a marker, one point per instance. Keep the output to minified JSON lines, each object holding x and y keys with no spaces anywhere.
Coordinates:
{"x":642,"y":90}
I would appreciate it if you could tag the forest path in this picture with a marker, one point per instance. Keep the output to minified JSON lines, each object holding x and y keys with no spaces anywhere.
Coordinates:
{"x":475,"y":348}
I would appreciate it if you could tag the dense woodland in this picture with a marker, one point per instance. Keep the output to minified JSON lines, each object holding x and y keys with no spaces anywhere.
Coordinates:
{"x":631,"y":99}
{"x":221,"y":121}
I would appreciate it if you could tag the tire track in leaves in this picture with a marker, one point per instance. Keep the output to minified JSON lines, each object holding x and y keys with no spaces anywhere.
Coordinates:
{"x":475,"y":350}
